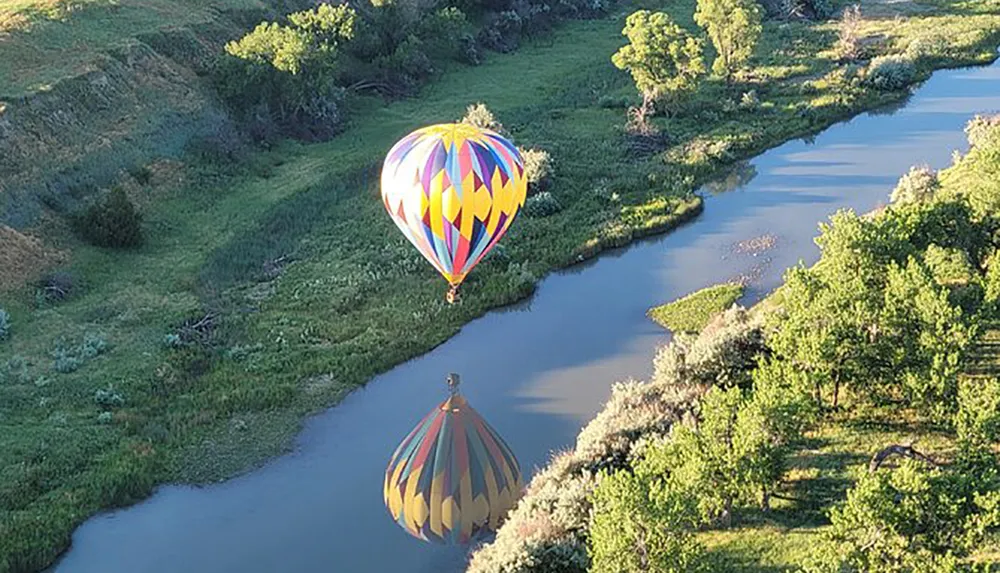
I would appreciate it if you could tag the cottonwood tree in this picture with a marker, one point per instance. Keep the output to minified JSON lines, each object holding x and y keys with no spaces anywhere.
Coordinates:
{"x":286,"y":75}
{"x":734,"y":27}
{"x":639,"y":523}
{"x":664,"y":60}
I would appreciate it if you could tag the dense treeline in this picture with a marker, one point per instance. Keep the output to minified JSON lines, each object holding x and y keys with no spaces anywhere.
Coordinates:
{"x":290,"y":78}
{"x":881,"y":326}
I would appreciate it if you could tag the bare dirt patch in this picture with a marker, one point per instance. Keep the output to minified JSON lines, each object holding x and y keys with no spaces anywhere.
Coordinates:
{"x":23,"y":258}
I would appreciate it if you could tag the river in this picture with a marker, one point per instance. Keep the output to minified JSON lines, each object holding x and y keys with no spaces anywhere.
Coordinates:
{"x":537,"y":371}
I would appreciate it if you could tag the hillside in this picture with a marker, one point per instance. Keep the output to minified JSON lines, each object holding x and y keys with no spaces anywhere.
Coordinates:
{"x":92,"y":87}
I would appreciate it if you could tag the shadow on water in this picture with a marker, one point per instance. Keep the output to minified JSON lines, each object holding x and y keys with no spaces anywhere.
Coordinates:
{"x":536,"y":371}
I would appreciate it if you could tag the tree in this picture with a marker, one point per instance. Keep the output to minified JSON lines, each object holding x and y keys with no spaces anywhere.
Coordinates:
{"x":309,"y":44}
{"x":286,"y":75}
{"x":639,"y":523}
{"x":664,"y":60}
{"x":734,"y":27}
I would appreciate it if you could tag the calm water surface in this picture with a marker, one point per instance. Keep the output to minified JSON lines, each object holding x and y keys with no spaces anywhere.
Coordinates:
{"x":536,"y":371}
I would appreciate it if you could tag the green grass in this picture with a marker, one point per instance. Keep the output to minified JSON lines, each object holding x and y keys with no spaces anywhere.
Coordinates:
{"x":693,"y":312}
{"x":45,"y":41}
{"x":313,"y":289}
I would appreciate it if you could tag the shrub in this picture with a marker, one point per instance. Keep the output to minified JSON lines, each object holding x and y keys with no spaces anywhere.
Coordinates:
{"x":108,"y":398}
{"x":537,"y":168}
{"x":468,"y":48}
{"x":105,"y":418}
{"x":56,"y":286}
{"x":634,"y":410}
{"x":848,"y":46}
{"x":111,"y":222}
{"x":890,"y":73}
{"x":502,"y":32}
{"x":64,"y":362}
{"x":283,"y":77}
{"x":480,"y":116}
{"x":4,"y":325}
{"x":724,"y":352}
{"x":981,"y":129}
{"x":542,"y":533}
{"x":749,"y":100}
{"x":542,"y":205}
{"x":920,"y":183}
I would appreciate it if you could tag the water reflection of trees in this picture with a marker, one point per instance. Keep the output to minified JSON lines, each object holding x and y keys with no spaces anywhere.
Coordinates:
{"x":892,"y":107}
{"x":739,"y":175}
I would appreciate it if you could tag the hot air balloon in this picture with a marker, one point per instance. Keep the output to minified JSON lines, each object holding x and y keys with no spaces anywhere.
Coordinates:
{"x":453,"y":190}
{"x":453,"y":478}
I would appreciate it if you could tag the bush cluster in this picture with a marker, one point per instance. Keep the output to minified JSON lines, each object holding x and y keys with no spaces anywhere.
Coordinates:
{"x":543,"y":204}
{"x":69,"y":358}
{"x":890,"y":73}
{"x":918,"y":184}
{"x":113,"y":221}
{"x":290,"y":77}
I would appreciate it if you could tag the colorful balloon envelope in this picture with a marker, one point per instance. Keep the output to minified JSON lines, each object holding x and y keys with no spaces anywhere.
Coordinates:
{"x":453,"y":190}
{"x":453,"y":478}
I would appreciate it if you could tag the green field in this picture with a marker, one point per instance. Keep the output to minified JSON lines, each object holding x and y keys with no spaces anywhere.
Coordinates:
{"x":301,"y":287}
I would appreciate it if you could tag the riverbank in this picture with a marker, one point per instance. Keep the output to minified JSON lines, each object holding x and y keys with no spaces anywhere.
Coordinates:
{"x":818,"y":470}
{"x":309,"y":300}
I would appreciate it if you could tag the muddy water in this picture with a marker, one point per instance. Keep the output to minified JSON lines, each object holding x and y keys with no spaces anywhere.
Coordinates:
{"x":536,"y":371}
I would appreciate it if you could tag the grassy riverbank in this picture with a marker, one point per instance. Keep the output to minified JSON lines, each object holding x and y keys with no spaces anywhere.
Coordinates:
{"x":287,"y":286}
{"x":692,"y":313}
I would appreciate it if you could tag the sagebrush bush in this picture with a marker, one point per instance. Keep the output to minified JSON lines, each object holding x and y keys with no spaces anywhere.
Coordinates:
{"x":4,"y":325}
{"x":635,"y":409}
{"x":113,"y":221}
{"x":480,"y":116}
{"x":849,"y":34}
{"x":543,"y":204}
{"x":56,"y":286}
{"x":537,"y":168}
{"x":890,"y":73}
{"x":981,"y":129}
{"x":543,"y":533}
{"x":724,"y":352}
{"x":920,"y":183}
{"x":109,"y":398}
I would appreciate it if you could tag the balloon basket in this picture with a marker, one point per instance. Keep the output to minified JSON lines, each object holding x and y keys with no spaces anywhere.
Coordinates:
{"x":452,"y":295}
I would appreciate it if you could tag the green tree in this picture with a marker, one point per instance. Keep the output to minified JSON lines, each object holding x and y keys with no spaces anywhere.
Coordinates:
{"x":927,"y":336}
{"x":734,"y":27}
{"x":639,"y":523}
{"x":664,"y":60}
{"x":310,"y":43}
{"x":286,"y":74}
